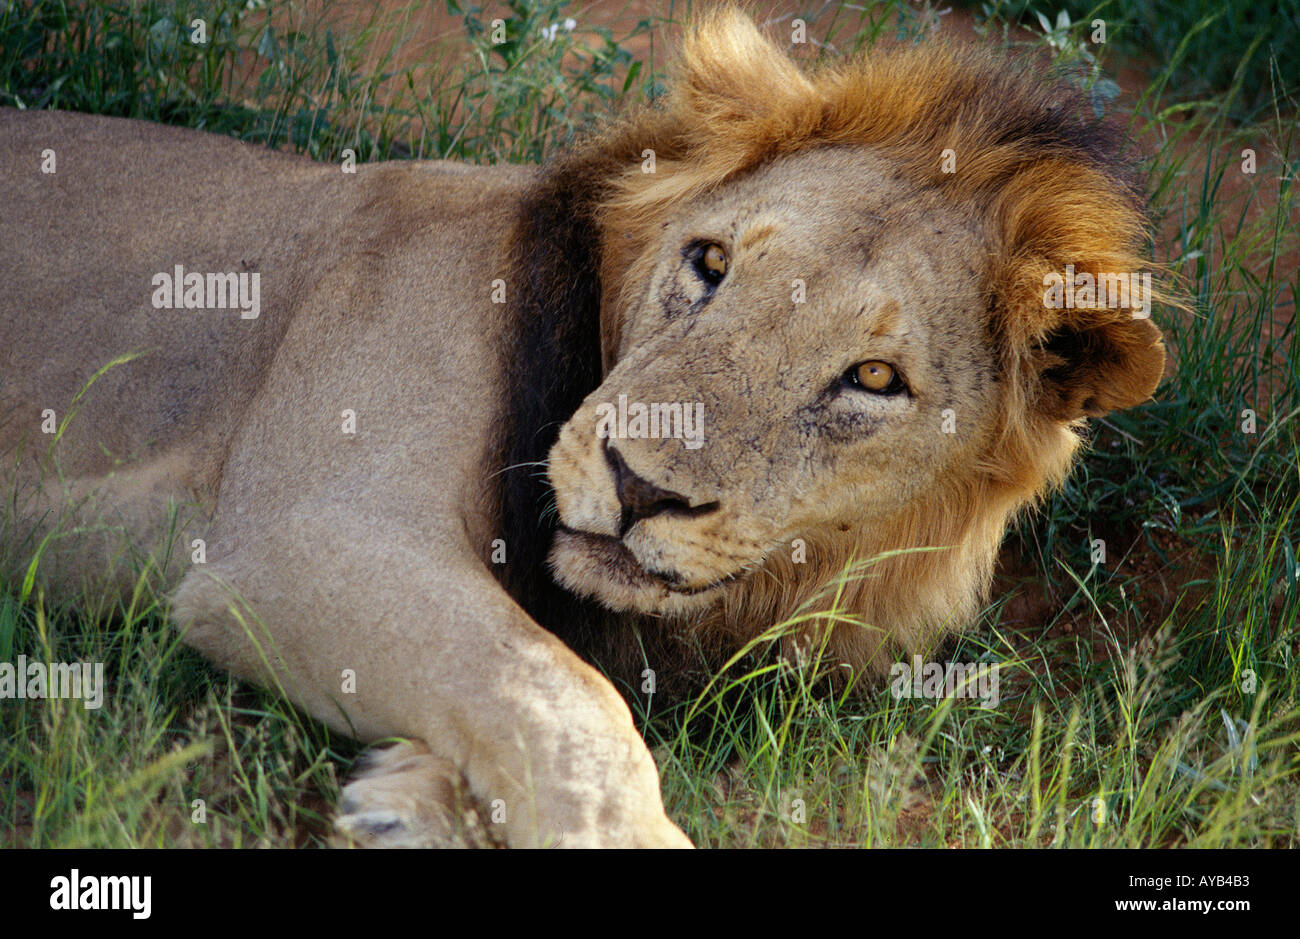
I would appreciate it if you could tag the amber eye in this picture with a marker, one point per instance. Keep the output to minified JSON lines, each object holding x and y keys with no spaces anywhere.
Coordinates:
{"x":876,"y":376}
{"x":712,"y":263}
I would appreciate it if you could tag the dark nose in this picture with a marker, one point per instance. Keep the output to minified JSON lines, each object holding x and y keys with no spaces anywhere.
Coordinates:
{"x":641,"y":498}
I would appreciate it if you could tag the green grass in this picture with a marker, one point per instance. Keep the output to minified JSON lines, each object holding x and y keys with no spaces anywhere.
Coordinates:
{"x":1201,"y":47}
{"x":1148,"y":700}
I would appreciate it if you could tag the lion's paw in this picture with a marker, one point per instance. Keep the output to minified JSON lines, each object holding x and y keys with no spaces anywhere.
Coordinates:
{"x":405,"y":797}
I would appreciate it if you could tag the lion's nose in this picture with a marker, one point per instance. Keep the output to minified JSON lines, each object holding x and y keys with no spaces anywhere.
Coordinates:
{"x":641,"y":498}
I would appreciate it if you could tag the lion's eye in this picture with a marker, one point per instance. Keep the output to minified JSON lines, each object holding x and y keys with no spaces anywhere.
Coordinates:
{"x":711,"y":263}
{"x":875,"y":376}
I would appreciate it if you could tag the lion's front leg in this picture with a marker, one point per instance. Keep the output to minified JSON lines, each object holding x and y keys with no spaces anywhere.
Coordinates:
{"x":390,"y":637}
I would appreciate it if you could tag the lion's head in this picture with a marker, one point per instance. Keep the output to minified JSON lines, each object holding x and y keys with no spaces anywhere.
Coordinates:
{"x":842,"y":275}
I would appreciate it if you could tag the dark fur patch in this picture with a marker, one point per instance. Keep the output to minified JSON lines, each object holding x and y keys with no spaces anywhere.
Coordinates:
{"x":555,"y":356}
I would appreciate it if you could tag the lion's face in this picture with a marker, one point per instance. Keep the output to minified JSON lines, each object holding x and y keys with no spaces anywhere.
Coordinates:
{"x":828,"y":321}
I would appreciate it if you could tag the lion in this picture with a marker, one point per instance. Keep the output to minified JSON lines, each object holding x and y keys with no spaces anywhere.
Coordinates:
{"x":418,"y":444}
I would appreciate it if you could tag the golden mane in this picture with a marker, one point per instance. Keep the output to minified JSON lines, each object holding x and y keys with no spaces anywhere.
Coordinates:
{"x":1055,"y":190}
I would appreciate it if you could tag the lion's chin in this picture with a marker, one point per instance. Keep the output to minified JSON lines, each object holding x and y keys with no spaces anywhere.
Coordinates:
{"x":602,"y":567}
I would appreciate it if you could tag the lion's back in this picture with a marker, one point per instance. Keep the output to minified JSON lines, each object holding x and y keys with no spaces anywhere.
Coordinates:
{"x":368,"y":289}
{"x":128,"y":202}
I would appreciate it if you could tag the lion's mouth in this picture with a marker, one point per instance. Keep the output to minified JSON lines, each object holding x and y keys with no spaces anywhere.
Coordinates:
{"x":622,"y":566}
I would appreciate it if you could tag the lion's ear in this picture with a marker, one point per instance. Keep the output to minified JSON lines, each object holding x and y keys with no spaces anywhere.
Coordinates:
{"x":1086,"y":370}
{"x":729,"y":71}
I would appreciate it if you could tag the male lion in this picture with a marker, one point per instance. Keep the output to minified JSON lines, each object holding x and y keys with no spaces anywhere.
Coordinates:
{"x":830,"y":285}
